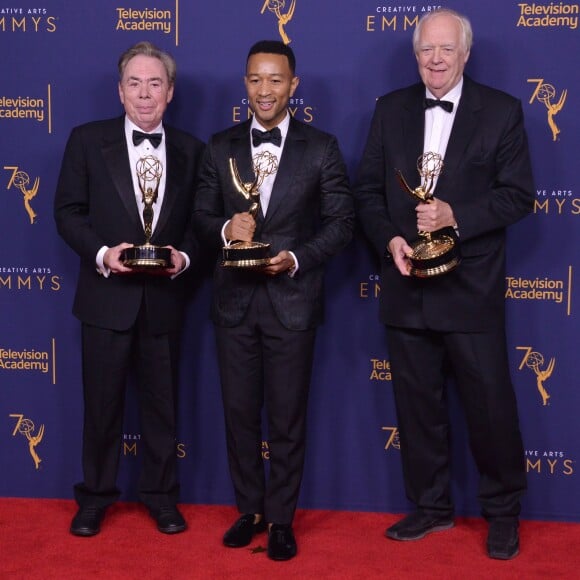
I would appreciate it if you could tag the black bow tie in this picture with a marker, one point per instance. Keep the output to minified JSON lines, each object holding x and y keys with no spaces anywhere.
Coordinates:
{"x":274,"y":136}
{"x":445,"y":105}
{"x":154,"y":138}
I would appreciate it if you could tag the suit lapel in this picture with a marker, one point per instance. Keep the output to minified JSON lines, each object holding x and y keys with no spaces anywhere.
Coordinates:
{"x":291,"y":158}
{"x":294,"y":147}
{"x":464,"y":126}
{"x":413,"y":133}
{"x":175,"y":160}
{"x":241,"y":153}
{"x":116,"y":159}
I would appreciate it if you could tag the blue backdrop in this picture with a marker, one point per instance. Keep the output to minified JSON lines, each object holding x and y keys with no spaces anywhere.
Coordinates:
{"x":58,"y":70}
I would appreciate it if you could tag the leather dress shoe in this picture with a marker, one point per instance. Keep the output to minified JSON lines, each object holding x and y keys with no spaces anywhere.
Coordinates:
{"x":87,"y":521}
{"x":169,"y":519}
{"x":503,"y":541}
{"x":243,"y":530}
{"x":417,"y":525}
{"x":281,"y":542}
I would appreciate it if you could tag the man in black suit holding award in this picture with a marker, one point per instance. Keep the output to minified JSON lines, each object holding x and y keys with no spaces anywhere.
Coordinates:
{"x":452,"y":323}
{"x":266,"y":317}
{"x":131,"y":316}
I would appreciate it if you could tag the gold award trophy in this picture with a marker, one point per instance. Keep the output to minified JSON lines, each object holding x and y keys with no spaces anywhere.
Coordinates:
{"x":434,"y":253}
{"x":250,"y":254}
{"x":146,"y":257}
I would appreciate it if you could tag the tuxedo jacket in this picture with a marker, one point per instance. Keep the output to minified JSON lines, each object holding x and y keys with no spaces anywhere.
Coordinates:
{"x":487,"y":180}
{"x":95,"y":206}
{"x":310,"y":213}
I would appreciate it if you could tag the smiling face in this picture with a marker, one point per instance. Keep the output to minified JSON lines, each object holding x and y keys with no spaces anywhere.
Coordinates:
{"x":145,"y":91}
{"x":270,"y":85}
{"x":441,"y":54}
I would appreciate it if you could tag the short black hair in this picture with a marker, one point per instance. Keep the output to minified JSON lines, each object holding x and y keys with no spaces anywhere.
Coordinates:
{"x":274,"y":47}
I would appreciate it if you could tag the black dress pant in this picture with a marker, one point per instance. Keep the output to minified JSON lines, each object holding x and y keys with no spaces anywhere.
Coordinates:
{"x":478,"y":362}
{"x":265,"y":365}
{"x":108,"y":356}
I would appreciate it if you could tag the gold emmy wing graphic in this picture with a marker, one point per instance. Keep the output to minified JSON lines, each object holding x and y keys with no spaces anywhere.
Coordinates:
{"x":250,"y":254}
{"x":21,"y":180}
{"x":535,"y":361}
{"x":546,"y":93}
{"x":26,"y":428}
{"x":276,"y":6}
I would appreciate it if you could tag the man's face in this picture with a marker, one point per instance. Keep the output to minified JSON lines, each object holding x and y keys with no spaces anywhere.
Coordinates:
{"x":145,"y":91}
{"x":270,"y":84}
{"x":441,"y":55}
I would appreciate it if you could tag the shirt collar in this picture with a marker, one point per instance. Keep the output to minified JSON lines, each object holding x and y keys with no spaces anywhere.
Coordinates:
{"x":453,"y":95}
{"x":283,"y":125}
{"x":130,"y":127}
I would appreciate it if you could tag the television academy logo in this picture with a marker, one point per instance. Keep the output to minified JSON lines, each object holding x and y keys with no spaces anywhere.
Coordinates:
{"x":549,"y":290}
{"x":535,"y":361}
{"x":546,"y":93}
{"x":552,"y":15}
{"x":149,"y":20}
{"x":380,"y":370}
{"x":26,"y":428}
{"x":29,"y":360}
{"x":25,"y":107}
{"x":20,"y":180}
{"x":276,"y":7}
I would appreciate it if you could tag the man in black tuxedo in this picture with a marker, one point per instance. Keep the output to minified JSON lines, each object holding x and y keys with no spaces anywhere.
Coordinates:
{"x":130,"y":320}
{"x":453,"y":323}
{"x":266,"y":320}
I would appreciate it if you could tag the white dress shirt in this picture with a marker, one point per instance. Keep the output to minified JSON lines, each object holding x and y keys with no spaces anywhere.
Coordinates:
{"x":438,"y":122}
{"x":137,"y":152}
{"x":268,"y":182}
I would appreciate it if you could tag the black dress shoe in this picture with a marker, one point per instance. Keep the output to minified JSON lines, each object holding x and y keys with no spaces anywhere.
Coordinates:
{"x":169,"y":519}
{"x":281,"y":542}
{"x":417,"y":525}
{"x":87,"y":521}
{"x":243,"y":530}
{"x":503,"y":541}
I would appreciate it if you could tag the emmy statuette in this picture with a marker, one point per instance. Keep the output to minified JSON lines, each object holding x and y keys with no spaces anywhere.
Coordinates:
{"x":147,"y":257}
{"x":434,"y":253}
{"x":250,"y":254}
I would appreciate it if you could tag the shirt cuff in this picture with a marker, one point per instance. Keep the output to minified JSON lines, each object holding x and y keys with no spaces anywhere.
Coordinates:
{"x":292,"y":271}
{"x":223,"y":234}
{"x":187,"y":263}
{"x":101,"y":268}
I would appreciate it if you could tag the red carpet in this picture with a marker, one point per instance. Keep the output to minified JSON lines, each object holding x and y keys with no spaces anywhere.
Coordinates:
{"x":35,"y":544}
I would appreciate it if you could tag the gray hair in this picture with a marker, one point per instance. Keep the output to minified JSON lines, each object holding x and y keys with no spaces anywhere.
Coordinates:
{"x":148,"y":49}
{"x":466,"y":31}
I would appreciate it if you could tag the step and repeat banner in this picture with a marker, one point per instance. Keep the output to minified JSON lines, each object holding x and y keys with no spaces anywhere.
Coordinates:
{"x":58,"y":70}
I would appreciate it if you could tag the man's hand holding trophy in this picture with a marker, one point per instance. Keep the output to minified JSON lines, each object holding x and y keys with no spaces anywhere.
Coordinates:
{"x":147,"y":257}
{"x":436,"y":252}
{"x":245,"y":252}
